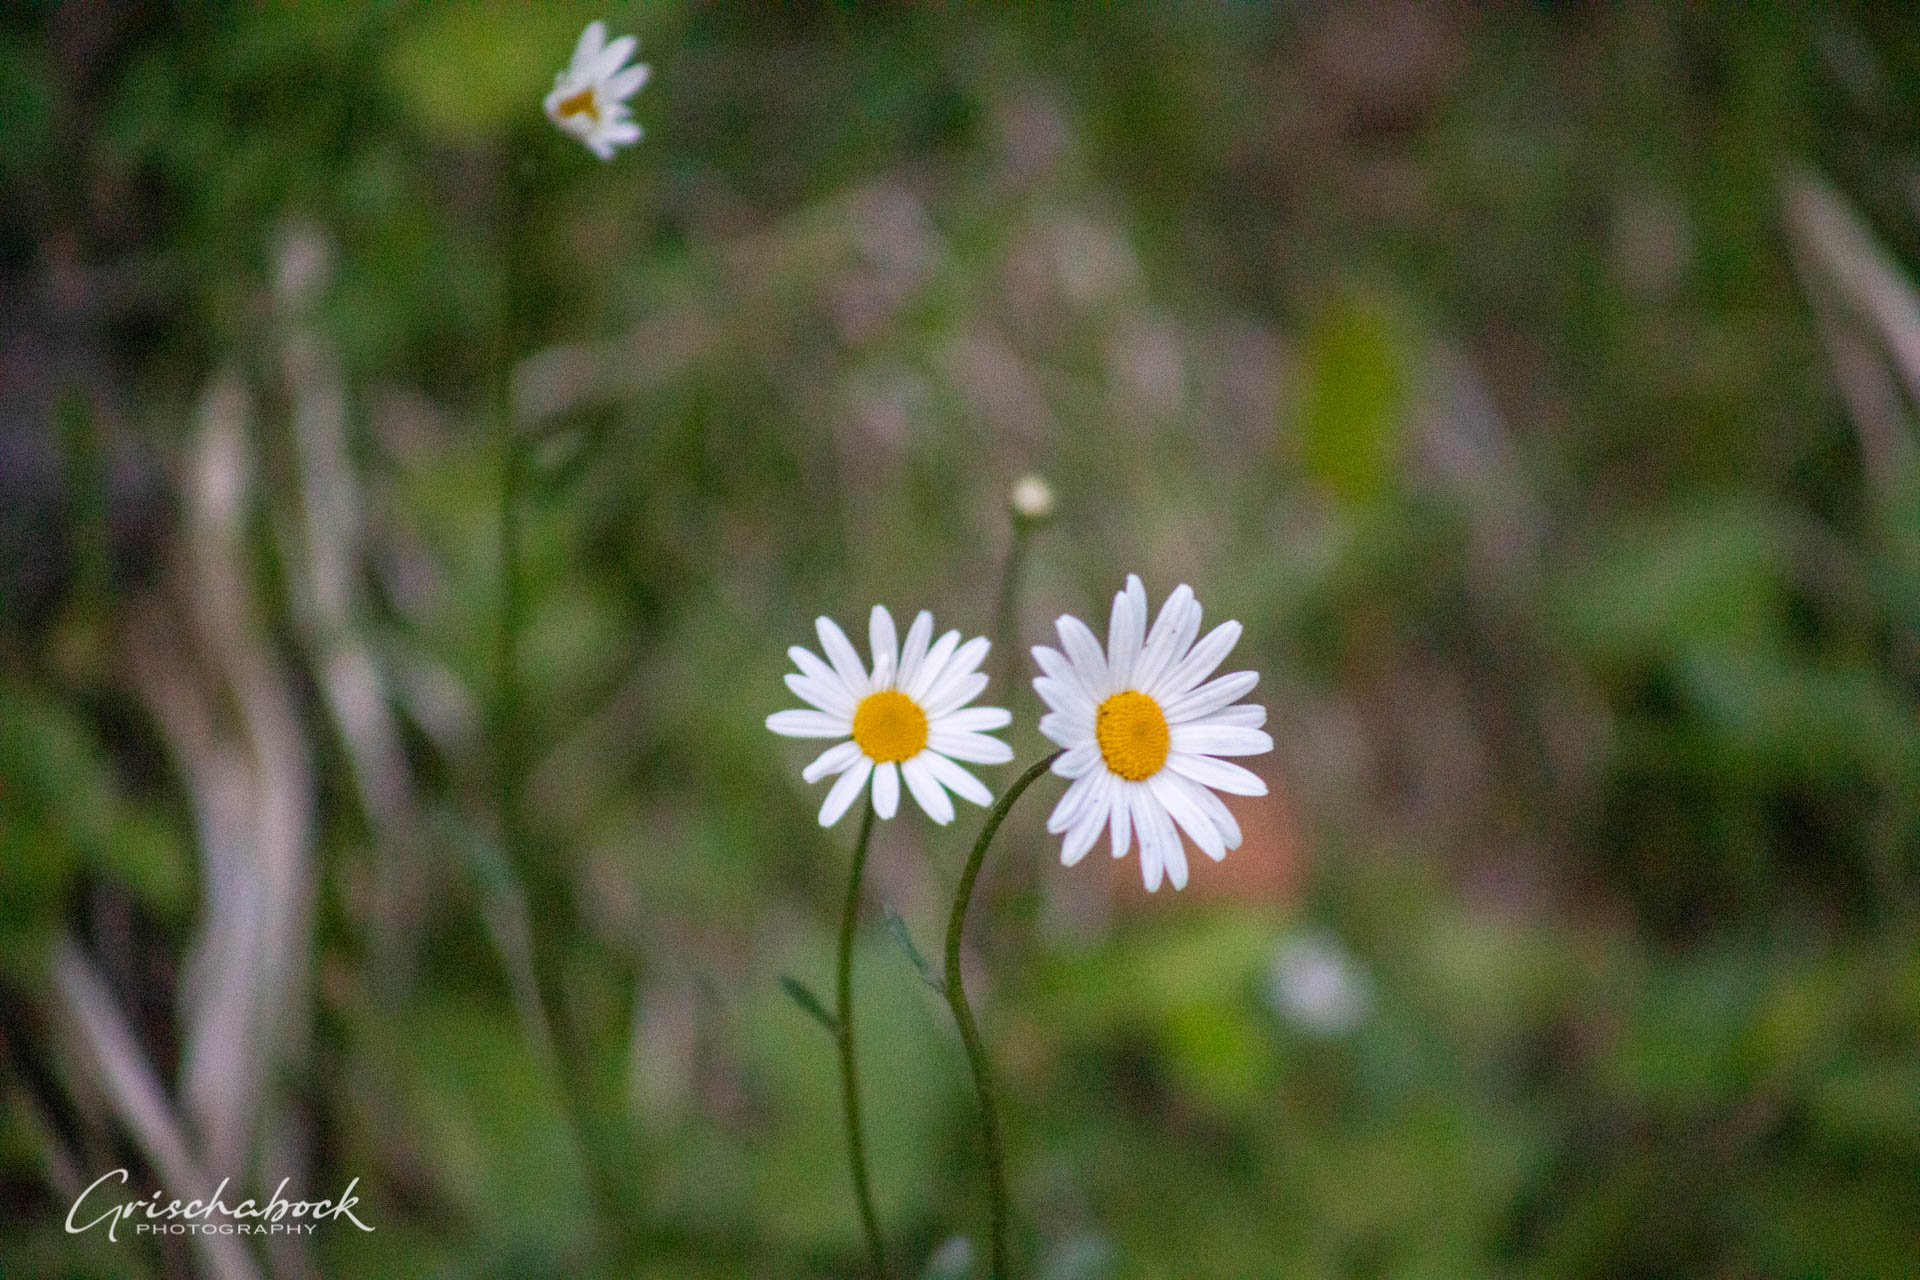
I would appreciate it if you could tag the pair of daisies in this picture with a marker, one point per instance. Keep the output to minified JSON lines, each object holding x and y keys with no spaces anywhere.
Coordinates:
{"x":1143,"y":730}
{"x":1142,"y":727}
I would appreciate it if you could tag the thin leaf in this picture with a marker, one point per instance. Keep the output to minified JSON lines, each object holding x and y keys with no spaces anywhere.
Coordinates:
{"x":898,"y":928}
{"x":809,"y":1003}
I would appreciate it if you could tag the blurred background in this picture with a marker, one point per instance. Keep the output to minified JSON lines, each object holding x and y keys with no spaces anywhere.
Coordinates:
{"x":1537,"y":385}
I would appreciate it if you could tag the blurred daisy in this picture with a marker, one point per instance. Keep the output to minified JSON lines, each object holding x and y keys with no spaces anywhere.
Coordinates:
{"x":589,"y":98}
{"x":1143,"y":735}
{"x":907,"y":719}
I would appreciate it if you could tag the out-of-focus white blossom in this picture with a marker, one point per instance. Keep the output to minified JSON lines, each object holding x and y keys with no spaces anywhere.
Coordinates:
{"x":589,"y":98}
{"x":1318,"y":987}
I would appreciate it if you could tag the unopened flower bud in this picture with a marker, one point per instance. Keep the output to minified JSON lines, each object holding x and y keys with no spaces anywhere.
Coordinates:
{"x":1032,"y":498}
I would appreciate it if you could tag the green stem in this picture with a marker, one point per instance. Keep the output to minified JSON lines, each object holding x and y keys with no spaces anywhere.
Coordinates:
{"x":508,"y":747}
{"x":1005,"y":618}
{"x":963,"y":1015}
{"x":507,"y":651}
{"x":572,"y":1079}
{"x":849,"y":1079}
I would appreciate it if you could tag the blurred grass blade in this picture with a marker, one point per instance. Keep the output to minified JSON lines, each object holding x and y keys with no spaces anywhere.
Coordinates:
{"x":898,"y":928}
{"x":809,"y":1003}
{"x":108,"y":1044}
{"x":1860,"y":271}
{"x":1868,"y":317}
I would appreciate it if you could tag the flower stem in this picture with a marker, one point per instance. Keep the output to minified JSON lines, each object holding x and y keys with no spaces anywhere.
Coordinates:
{"x":510,"y":730}
{"x":963,"y":1015}
{"x":1006,"y":621}
{"x":849,"y":1079}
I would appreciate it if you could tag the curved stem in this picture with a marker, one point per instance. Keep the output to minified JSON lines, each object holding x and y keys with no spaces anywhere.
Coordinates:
{"x":849,"y":1080}
{"x":963,"y":1015}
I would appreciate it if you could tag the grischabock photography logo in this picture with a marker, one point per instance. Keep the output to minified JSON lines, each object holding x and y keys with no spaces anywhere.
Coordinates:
{"x":160,"y":1214}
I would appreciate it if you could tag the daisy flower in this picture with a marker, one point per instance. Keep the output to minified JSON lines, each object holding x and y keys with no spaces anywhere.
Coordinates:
{"x":1143,"y":735}
{"x":907,"y":719}
{"x":589,"y":98}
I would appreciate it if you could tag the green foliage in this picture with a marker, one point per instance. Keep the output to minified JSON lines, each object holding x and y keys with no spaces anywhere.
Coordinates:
{"x":1459,"y":354}
{"x":1353,"y":399}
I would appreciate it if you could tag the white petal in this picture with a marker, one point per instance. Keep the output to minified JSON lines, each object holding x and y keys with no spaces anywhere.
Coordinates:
{"x":974,"y":748}
{"x":845,"y":790}
{"x":1246,"y":717}
{"x":958,"y":668}
{"x":1122,"y":819}
{"x":932,"y":665}
{"x":1173,"y":631}
{"x":1126,"y":633}
{"x":833,"y":760}
{"x":1199,"y":662}
{"x":613,"y":57}
{"x":1065,"y":696}
{"x":598,"y":144}
{"x":813,"y":669}
{"x":1174,"y":855}
{"x":1073,"y":804}
{"x":966,"y":659}
{"x":1215,"y":807}
{"x":1211,"y":696}
{"x":882,"y":641}
{"x":592,"y":41}
{"x":1168,"y":851}
{"x":1208,"y":739}
{"x":886,"y":789}
{"x":955,"y":779}
{"x":1076,"y":761}
{"x":1067,"y":730}
{"x":1087,"y":829}
{"x":1145,"y":811}
{"x":1058,"y":667}
{"x":1172,"y":791}
{"x":809,"y":724}
{"x":974,"y":719}
{"x":628,"y":82}
{"x":926,"y":789}
{"x":623,"y":132}
{"x":826,"y":695}
{"x":1221,"y":775}
{"x":840,"y":652}
{"x":1084,"y":652}
{"x":914,"y":652}
{"x":953,"y":693}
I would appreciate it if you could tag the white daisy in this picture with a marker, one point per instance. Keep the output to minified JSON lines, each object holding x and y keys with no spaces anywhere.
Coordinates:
{"x":1143,"y":735}
{"x":908,"y":719}
{"x":589,"y":98}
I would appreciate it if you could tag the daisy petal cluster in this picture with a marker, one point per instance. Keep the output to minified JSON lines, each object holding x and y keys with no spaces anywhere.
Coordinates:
{"x":906,"y":720}
{"x":589,"y":98}
{"x":1144,"y":730}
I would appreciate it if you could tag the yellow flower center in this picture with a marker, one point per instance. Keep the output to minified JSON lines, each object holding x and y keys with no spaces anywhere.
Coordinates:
{"x":1133,"y":736}
{"x":580,"y":104}
{"x":889,"y":726}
